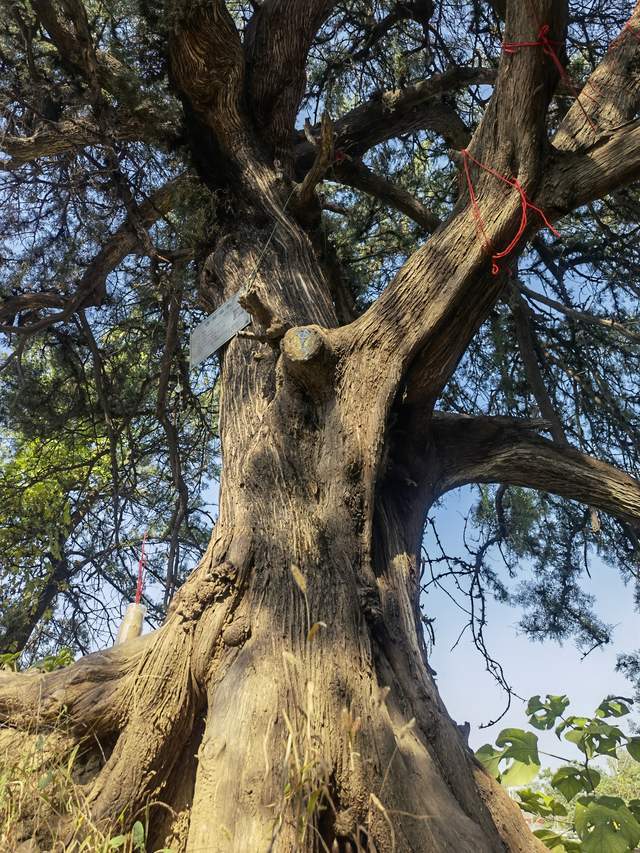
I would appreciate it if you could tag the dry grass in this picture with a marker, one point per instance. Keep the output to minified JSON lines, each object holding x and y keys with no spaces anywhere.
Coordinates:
{"x":43,"y":803}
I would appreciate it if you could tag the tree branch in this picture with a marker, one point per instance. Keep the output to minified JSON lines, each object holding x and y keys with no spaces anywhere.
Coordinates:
{"x":426,"y":317}
{"x":395,"y":113}
{"x":65,"y":136}
{"x":91,"y":286}
{"x":277,"y":42}
{"x":582,"y":316}
{"x":79,"y":55}
{"x":86,"y":691}
{"x":353,"y":173}
{"x":207,"y":65}
{"x":305,"y":192}
{"x":574,"y":180}
{"x":526,"y":346}
{"x":499,"y":450}
{"x":611,"y":95}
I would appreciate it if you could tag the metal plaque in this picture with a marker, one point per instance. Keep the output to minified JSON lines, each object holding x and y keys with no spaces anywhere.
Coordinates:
{"x":216,"y":330}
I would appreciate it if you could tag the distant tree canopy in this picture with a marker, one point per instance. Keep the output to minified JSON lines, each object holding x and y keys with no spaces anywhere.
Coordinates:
{"x":108,"y":210}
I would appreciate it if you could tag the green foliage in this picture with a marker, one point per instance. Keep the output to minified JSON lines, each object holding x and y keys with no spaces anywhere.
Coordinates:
{"x":586,"y":811}
{"x":78,"y":488}
{"x":543,"y":715}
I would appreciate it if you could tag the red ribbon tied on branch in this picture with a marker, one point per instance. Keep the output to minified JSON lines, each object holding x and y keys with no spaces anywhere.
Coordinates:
{"x":632,"y":30}
{"x":549,"y":48}
{"x":526,"y":205}
{"x":141,"y":564}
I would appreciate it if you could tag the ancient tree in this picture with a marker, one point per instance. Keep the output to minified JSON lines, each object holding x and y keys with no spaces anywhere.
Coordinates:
{"x":286,"y":702}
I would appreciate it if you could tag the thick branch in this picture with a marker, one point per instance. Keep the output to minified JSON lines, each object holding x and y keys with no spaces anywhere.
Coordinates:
{"x":490,"y":450}
{"x":395,"y":113}
{"x":80,"y":56}
{"x":65,"y":136}
{"x":574,"y":180}
{"x":85,"y":691}
{"x":611,"y":96}
{"x":278,"y":40}
{"x":355,"y":174}
{"x":207,"y":64}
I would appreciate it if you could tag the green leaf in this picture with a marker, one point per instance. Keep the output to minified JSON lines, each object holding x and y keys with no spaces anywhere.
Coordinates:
{"x":593,"y":736}
{"x":490,"y":757}
{"x":633,"y":748}
{"x":542,"y":715}
{"x":522,"y":748}
{"x":606,"y":825}
{"x":117,"y":841}
{"x":519,"y":745}
{"x":570,"y":780}
{"x":614,"y":706}
{"x":519,"y":773}
{"x":634,"y":808}
{"x":556,"y":842}
{"x":572,"y":722}
{"x":137,"y":835}
{"x":535,"y":802}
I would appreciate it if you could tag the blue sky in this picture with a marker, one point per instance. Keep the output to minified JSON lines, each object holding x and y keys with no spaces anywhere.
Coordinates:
{"x":471,"y":694}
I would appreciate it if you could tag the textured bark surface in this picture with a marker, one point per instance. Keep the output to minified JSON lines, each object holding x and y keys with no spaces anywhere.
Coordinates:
{"x":287,"y":703}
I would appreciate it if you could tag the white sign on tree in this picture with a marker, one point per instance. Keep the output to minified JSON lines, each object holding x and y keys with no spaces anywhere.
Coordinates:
{"x":216,"y":330}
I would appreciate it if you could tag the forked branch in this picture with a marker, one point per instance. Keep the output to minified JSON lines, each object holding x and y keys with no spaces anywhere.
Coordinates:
{"x":207,"y":64}
{"x":90,"y":289}
{"x":277,"y":43}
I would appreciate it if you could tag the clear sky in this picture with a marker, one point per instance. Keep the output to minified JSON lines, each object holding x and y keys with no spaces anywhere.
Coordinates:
{"x":471,"y":694}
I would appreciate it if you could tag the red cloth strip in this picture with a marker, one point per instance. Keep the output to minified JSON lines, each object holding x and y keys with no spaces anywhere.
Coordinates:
{"x":548,"y":47}
{"x":526,"y":205}
{"x":141,"y":565}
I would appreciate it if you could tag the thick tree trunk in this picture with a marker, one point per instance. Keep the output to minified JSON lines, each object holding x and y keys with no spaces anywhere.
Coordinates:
{"x":323,"y":725}
{"x":324,"y":728}
{"x":297,"y":640}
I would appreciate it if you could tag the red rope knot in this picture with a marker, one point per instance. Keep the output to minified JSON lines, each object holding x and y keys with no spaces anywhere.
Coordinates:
{"x":543,"y":41}
{"x":525,"y":205}
{"x":548,"y":45}
{"x":549,"y":48}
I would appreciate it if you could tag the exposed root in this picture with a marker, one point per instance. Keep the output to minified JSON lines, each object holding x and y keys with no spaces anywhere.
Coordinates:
{"x":143,"y":695}
{"x":85,"y":694}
